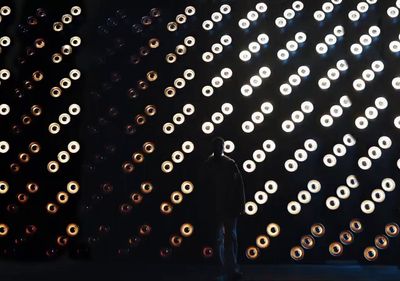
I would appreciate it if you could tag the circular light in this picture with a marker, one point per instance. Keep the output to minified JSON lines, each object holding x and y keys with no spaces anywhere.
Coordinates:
{"x":333,"y":74}
{"x":226,"y":40}
{"x":326,"y":120}
{"x":324,"y":83}
{"x":190,"y":10}
{"x":361,"y":122}
{"x":332,"y":203}
{"x":207,"y":127}
{"x":342,"y":65}
{"x":300,"y":37}
{"x":307,"y":107}
{"x":245,"y":55}
{"x":249,"y":166}
{"x":207,"y":25}
{"x":345,"y":101}
{"x":187,"y":147}
{"x":294,"y":208}
{"x":4,"y":147}
{"x":394,"y":46}
{"x":188,"y":109}
{"x":381,"y":103}
{"x":255,"y":81}
{"x":216,"y":17}
{"x":349,"y":140}
{"x":354,"y":15}
{"x":343,"y":192}
{"x":356,"y":49}
{"x":207,"y":57}
{"x":303,"y":71}
{"x":288,"y":126}
{"x":225,"y":9}
{"x":264,"y":72}
{"x":396,"y":122}
{"x":319,"y":15}
{"x":392,"y":12}
{"x":385,"y":142}
{"x":336,"y":111}
{"x":216,"y":48}
{"x":327,"y":7}
{"x":250,"y":208}
{"x":257,"y":117}
{"x":339,"y":150}
{"x":244,"y":23}
{"x":217,"y":82}
{"x":179,"y":83}
{"x":314,"y":186}
{"x":291,"y":45}
{"x":229,"y":146}
{"x":374,"y":31}
{"x":227,"y":108}
{"x":271,"y":186}
{"x":368,"y":75}
{"x":388,"y":184}
{"x":263,"y":38}
{"x":378,"y":195}
{"x":246,"y":90}
{"x":321,"y":48}
{"x":248,"y":126}
{"x":280,"y":22}
{"x":267,"y":107}
{"x":377,"y":66}
{"x":64,"y":118}
{"x":288,"y":14}
{"x":371,"y":112}
{"x":4,"y":109}
{"x":261,"y":197}
{"x":300,"y":155}
{"x":283,"y":54}
{"x":297,"y":116}
{"x":254,"y":47}
{"x":396,"y":83}
{"x":269,"y":145}
{"x":297,"y":6}
{"x":338,"y":31}
{"x":285,"y":89}
{"x":329,"y":160}
{"x":261,"y":7}
{"x":291,"y":165}
{"x":294,"y":80}
{"x":207,"y":91}
{"x":352,"y":181}
{"x":310,"y":145}
{"x":259,"y":156}
{"x":226,"y":73}
{"x":365,"y":40}
{"x":217,"y":118}
{"x":252,"y":15}
{"x":364,"y":163}
{"x":362,"y":7}
{"x":367,"y":207}
{"x":304,"y":197}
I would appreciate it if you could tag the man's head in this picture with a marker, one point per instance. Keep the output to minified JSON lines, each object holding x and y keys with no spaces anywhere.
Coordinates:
{"x":218,"y":146}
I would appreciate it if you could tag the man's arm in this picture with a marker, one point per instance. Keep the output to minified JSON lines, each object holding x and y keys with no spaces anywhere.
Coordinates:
{"x":239,"y":185}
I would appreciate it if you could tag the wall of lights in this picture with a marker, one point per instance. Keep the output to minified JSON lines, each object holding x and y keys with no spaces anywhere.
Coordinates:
{"x":107,"y":112}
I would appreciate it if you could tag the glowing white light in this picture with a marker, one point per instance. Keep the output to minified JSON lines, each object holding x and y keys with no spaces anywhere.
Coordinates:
{"x":303,"y":71}
{"x":352,"y":181}
{"x":349,"y":140}
{"x":252,"y":15}
{"x":294,"y":80}
{"x":381,"y":103}
{"x":294,"y":208}
{"x":310,"y":145}
{"x":338,"y":31}
{"x":354,"y":15}
{"x":329,"y":160}
{"x":207,"y":127}
{"x":227,"y":108}
{"x":343,"y":192}
{"x":217,"y":82}
{"x":330,"y":39}
{"x":392,"y":12}
{"x":342,"y":65}
{"x":332,"y":203}
{"x":319,"y":15}
{"x":394,"y":46}
{"x":216,"y":17}
{"x":261,"y":7}
{"x":304,"y":197}
{"x":178,"y":118}
{"x":327,"y":7}
{"x":359,"y":85}
{"x":280,"y":22}
{"x":226,"y":73}
{"x":339,"y":150}
{"x":4,"y":147}
{"x":269,"y":145}
{"x":361,"y":122}
{"x":371,"y":112}
{"x":249,"y":166}
{"x":271,"y":186}
{"x":250,"y":208}
{"x":264,"y":72}
{"x":300,"y":155}
{"x":257,"y":117}
{"x":368,"y":75}
{"x":297,"y":6}
{"x":207,"y":91}
{"x":300,"y":37}
{"x":362,"y":7}
{"x":226,"y":40}
{"x":291,"y":165}
{"x":388,"y":184}
{"x":263,"y":38}
{"x":384,"y":142}
{"x":248,"y":127}
{"x":229,"y":146}
{"x":307,"y":107}
{"x":326,"y":120}
{"x":321,"y":48}
{"x":245,"y":55}
{"x":283,"y":54}
{"x":255,"y":81}
{"x":259,"y":155}
{"x":333,"y":74}
{"x":217,"y":118}
{"x":246,"y":90}
{"x":225,"y":9}
{"x":208,"y":25}
{"x":261,"y":197}
{"x":374,"y":152}
{"x":285,"y":89}
{"x":396,"y":122}
{"x":314,"y":186}
{"x":254,"y":47}
{"x":207,"y":57}
{"x":267,"y":107}
{"x":244,"y":23}
{"x":217,"y":48}
{"x":356,"y":49}
{"x":287,"y":126}
{"x":368,"y":207}
{"x":345,"y":101}
{"x":377,"y":66}
{"x":324,"y":83}
{"x":297,"y":116}
{"x":396,"y":83}
{"x":378,"y":195}
{"x":365,"y":40}
{"x":291,"y":45}
{"x":364,"y":163}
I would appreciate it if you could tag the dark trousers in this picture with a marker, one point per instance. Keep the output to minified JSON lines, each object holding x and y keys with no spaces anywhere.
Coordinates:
{"x":227,"y":245}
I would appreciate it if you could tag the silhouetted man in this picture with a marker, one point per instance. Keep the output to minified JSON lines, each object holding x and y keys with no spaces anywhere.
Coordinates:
{"x":223,"y":194}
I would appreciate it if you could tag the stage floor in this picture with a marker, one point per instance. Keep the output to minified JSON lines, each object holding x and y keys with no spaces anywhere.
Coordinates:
{"x":78,"y":270}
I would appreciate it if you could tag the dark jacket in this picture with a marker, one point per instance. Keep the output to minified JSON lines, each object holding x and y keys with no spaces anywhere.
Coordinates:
{"x":221,"y":188}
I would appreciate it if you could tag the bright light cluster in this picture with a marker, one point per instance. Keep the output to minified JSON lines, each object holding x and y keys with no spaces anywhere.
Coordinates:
{"x":216,"y":17}
{"x":374,"y":153}
{"x":327,"y":8}
{"x":252,"y":16}
{"x":297,"y":116}
{"x":304,"y":197}
{"x":217,"y":48}
{"x":330,"y":40}
{"x":291,"y":46}
{"x":301,"y":155}
{"x":257,"y":117}
{"x":335,"y":111}
{"x":217,"y":82}
{"x":255,"y":81}
{"x":378,"y":195}
{"x":371,"y":113}
{"x":333,"y":74}
{"x":177,"y":157}
{"x":339,"y":150}
{"x":365,"y":40}
{"x":178,"y":118}
{"x":181,"y":19}
{"x":342,"y":193}
{"x":362,"y":8}
{"x":289,"y":14}
{"x":294,"y":80}
{"x":217,"y":118}
{"x":261,"y":197}
{"x":367,"y":75}
{"x":393,"y":11}
{"x":259,"y":155}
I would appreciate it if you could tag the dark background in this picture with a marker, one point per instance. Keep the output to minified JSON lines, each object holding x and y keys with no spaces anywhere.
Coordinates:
{"x":108,"y":43}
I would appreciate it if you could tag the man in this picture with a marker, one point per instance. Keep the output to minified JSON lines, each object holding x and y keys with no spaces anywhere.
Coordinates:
{"x":223,"y":193}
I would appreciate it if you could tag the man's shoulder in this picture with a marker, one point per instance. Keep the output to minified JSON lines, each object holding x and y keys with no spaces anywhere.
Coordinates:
{"x":228,"y":159}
